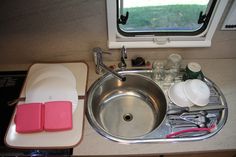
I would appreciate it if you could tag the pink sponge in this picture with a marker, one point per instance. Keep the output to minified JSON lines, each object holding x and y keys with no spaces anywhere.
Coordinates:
{"x":51,"y":116}
{"x":57,"y":115}
{"x":28,"y":118}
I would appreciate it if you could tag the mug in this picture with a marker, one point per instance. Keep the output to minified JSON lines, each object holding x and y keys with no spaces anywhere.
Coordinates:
{"x":193,"y":71}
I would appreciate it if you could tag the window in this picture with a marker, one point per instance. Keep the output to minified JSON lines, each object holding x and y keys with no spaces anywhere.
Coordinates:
{"x":162,"y":17}
{"x":158,"y":23}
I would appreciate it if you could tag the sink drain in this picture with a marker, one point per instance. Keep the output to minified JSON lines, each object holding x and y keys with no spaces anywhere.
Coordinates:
{"x":128,"y":117}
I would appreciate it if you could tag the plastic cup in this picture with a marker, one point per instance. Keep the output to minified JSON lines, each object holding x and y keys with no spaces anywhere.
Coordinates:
{"x":158,"y":70}
{"x":173,"y":64}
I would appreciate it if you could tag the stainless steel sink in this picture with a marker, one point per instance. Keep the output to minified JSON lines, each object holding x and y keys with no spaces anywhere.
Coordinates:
{"x":134,"y":111}
{"x":128,"y":109}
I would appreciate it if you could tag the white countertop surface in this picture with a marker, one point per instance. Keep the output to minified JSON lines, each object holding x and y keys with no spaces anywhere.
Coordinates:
{"x":220,"y":71}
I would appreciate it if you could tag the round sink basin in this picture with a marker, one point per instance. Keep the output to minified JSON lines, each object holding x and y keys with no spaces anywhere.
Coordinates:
{"x":126,"y":110}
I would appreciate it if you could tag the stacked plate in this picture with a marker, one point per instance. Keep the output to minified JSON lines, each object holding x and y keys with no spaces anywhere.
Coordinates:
{"x":52,"y":83}
{"x":189,"y":93}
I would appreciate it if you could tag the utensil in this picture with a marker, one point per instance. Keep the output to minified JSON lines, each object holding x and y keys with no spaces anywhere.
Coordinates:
{"x":211,"y":126}
{"x":174,"y":134}
{"x":198,"y":119}
{"x":179,"y":122}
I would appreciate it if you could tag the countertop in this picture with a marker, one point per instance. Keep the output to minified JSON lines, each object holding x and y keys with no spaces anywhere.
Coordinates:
{"x":220,"y":71}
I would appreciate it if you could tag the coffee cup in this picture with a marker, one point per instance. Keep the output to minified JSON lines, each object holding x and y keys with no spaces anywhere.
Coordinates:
{"x":193,"y":71}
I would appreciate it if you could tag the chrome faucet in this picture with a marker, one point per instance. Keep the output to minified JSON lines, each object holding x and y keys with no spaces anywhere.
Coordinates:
{"x":122,"y":65}
{"x":97,"y":51}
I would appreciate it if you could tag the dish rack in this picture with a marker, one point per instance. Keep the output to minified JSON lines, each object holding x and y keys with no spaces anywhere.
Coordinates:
{"x":174,"y":128}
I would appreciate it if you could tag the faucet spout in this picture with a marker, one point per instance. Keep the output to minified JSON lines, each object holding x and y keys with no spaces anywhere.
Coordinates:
{"x":101,"y":66}
{"x":120,"y":77}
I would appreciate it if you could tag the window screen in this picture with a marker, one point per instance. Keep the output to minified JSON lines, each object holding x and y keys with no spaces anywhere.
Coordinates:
{"x":163,"y":17}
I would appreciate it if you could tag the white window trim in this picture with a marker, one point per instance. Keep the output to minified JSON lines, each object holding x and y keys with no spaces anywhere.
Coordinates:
{"x":116,"y":40}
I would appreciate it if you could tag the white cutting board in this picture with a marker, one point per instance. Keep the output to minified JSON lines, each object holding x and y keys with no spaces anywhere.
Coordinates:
{"x":60,"y":139}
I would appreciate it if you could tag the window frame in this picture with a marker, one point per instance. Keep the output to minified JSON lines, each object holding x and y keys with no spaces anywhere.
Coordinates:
{"x":209,"y":12}
{"x":117,"y":40}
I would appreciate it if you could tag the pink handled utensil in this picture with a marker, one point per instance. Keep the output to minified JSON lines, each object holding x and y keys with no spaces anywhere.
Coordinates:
{"x":210,"y":129}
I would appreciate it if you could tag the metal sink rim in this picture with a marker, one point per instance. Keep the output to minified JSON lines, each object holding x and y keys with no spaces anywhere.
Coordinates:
{"x":92,"y":119}
{"x":161,"y":140}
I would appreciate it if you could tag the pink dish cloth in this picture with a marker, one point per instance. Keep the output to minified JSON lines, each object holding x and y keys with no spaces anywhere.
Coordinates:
{"x":28,"y":118}
{"x":57,"y":115}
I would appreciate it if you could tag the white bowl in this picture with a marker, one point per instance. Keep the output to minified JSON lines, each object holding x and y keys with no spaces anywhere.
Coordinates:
{"x":197,"y":92}
{"x":177,"y":95}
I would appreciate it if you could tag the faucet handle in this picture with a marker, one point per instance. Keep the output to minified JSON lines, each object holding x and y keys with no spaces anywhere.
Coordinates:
{"x":106,"y":52}
{"x":97,"y":49}
{"x":122,"y":63}
{"x":97,"y":53}
{"x":100,"y":50}
{"x":124,"y":52}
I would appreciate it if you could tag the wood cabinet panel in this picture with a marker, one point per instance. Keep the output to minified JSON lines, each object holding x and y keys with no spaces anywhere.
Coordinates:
{"x":207,"y":154}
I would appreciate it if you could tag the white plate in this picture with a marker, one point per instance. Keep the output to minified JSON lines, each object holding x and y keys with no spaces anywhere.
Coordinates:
{"x":52,"y":89}
{"x":197,"y":92}
{"x":53,"y":70}
{"x":177,"y":95}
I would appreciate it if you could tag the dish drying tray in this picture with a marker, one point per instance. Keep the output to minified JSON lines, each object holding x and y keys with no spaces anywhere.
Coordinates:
{"x":216,"y":99}
{"x":53,"y":140}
